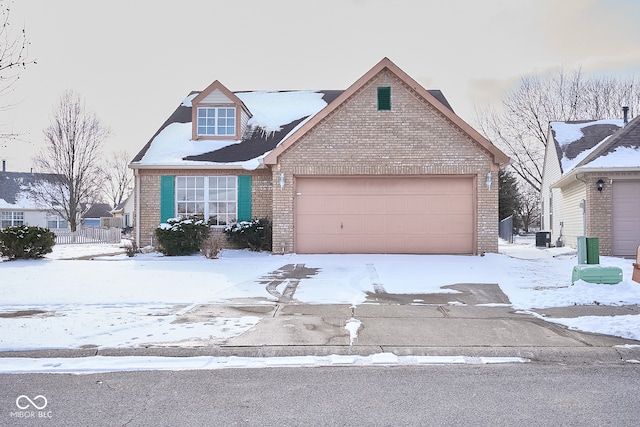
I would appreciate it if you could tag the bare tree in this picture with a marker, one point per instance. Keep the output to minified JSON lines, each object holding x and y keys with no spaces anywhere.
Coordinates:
{"x":119,"y":177}
{"x":73,"y":143}
{"x":13,"y":55}
{"x":521,"y":126}
{"x":529,"y":209}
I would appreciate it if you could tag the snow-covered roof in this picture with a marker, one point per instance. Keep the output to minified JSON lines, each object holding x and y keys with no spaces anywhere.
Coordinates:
{"x":275,"y":114}
{"x":16,"y":189}
{"x":620,"y":150}
{"x":576,"y":140}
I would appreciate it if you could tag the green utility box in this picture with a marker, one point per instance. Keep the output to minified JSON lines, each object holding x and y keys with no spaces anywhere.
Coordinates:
{"x":596,"y":274}
{"x":588,"y":250}
{"x":593,"y":250}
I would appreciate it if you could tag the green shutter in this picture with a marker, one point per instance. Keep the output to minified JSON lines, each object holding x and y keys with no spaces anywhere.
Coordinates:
{"x":167,"y":197}
{"x":384,"y":98}
{"x":244,"y":198}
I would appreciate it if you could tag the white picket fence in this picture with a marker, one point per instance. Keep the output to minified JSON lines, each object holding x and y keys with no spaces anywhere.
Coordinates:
{"x":89,"y":235}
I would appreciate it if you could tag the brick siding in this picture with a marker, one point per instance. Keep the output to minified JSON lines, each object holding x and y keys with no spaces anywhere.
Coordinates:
{"x":150,"y":196}
{"x":411,"y":139}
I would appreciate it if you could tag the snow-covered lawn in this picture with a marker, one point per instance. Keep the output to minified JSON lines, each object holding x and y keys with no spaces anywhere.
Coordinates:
{"x":116,"y":301}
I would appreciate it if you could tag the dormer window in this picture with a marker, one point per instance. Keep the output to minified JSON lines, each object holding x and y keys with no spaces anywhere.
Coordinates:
{"x":216,"y":121}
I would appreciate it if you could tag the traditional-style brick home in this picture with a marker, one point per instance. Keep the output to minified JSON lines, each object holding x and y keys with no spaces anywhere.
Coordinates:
{"x":384,"y":166}
{"x":591,"y":184}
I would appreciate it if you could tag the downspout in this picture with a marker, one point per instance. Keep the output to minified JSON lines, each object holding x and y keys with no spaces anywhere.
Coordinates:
{"x":583,"y":205}
{"x":137,"y":206}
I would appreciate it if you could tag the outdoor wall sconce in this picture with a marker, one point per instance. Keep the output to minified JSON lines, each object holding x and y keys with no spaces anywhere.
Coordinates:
{"x":600,"y":184}
{"x":281,"y":181}
{"x":489,"y":178}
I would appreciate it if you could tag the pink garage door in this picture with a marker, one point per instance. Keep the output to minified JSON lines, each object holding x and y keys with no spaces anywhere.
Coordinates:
{"x":626,"y":217}
{"x":385,"y":215}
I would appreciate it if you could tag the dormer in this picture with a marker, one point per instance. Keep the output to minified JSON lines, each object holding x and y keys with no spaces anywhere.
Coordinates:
{"x":217,"y":113}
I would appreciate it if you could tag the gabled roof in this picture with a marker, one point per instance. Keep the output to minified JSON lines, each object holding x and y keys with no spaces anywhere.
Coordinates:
{"x":274,"y":114}
{"x":617,"y":152}
{"x":622,"y":149}
{"x":573,"y":140}
{"x":274,"y":117}
{"x":385,"y":64}
{"x":16,"y":189}
{"x":98,"y":210}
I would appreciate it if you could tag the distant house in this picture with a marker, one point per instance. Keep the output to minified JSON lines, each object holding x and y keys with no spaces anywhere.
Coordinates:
{"x":94,"y":215}
{"x":123,"y":213}
{"x":18,"y":205}
{"x":591,"y":184}
{"x":384,"y":166}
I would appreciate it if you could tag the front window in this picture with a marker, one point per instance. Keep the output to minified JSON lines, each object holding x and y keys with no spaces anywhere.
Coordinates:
{"x":55,"y":221}
{"x":11,"y":219}
{"x":216,"y":121}
{"x":213,"y":197}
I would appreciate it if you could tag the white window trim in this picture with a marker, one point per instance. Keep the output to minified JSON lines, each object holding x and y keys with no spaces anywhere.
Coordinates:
{"x":206,"y":200}
{"x":12,"y":217}
{"x":216,"y":131}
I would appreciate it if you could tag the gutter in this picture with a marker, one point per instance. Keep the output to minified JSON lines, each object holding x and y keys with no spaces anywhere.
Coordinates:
{"x":211,"y":166}
{"x":576,"y":173}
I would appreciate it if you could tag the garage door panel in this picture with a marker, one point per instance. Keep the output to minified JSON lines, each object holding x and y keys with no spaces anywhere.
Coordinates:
{"x":387,"y":215}
{"x":626,"y":217}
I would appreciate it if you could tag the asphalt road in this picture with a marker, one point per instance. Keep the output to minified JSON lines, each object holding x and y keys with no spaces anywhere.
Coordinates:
{"x":478,"y":395}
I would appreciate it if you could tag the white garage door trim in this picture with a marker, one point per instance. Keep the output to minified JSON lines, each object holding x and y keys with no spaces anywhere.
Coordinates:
{"x":398,"y":214}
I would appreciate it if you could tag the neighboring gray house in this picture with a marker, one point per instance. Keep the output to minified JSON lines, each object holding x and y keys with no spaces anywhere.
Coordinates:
{"x":19,"y":207}
{"x":591,"y":184}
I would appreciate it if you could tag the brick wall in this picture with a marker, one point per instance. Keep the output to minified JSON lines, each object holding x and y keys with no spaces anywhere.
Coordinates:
{"x":599,"y":219}
{"x":411,"y":139}
{"x":150,"y":196}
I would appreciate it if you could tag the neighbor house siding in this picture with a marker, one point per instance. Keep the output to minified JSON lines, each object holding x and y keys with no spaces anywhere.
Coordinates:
{"x":411,"y":139}
{"x":571,"y":214}
{"x":551,"y":198}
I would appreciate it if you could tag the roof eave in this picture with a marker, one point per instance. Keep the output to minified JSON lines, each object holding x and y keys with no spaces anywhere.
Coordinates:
{"x":575,"y":173}
{"x":195,"y":165}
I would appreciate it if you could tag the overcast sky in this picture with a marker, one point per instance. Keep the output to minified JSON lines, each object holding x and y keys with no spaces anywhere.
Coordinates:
{"x":134,"y":61}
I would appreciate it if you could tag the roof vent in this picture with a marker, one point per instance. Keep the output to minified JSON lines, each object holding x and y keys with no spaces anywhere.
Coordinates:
{"x":625,"y":115}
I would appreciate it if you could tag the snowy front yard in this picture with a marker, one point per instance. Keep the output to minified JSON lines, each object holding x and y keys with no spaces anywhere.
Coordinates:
{"x":116,"y":301}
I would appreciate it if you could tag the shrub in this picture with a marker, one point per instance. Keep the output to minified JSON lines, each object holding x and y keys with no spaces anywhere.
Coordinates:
{"x":182,"y":236}
{"x":130,"y":247}
{"x":211,"y":247}
{"x":26,"y":242}
{"x":255,"y":234}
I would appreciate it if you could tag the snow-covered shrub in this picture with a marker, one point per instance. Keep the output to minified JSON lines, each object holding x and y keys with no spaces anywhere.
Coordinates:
{"x":255,"y":234}
{"x":181,"y":236}
{"x":26,"y":242}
